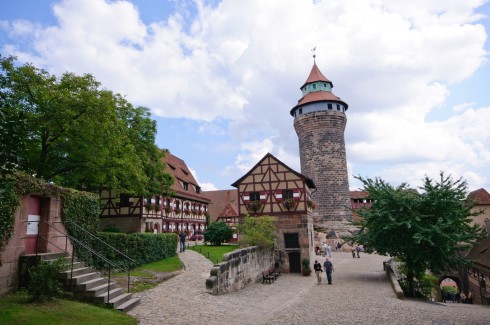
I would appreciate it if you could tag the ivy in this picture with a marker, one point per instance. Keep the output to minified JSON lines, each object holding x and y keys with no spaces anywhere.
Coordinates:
{"x":78,"y":207}
{"x":9,"y":201}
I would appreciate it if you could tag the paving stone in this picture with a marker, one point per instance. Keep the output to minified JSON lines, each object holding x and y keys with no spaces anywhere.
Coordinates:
{"x":360,"y":294}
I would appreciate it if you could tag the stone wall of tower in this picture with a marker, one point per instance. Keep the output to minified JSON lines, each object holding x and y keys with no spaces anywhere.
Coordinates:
{"x":323,"y":159}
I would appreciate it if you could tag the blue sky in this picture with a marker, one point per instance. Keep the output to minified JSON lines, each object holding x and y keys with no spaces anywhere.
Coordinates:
{"x":220,"y":77}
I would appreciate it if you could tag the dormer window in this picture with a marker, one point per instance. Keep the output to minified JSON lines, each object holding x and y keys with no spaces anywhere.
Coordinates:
{"x":198,"y":189}
{"x":185,"y":172}
{"x":314,"y":86}
{"x":186,"y":186}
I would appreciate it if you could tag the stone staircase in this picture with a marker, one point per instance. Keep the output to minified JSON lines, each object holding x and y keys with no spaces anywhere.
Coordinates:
{"x":89,"y":286}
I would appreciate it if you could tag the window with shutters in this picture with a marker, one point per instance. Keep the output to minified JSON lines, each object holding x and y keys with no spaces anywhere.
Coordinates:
{"x":254,"y":196}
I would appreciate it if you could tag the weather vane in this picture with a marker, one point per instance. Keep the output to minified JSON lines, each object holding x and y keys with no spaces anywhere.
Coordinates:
{"x":314,"y":55}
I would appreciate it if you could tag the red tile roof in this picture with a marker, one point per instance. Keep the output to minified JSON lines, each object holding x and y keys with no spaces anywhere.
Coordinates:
{"x":358,"y":194}
{"x":219,"y":201}
{"x":318,"y":96}
{"x":181,"y":173}
{"x":228,"y":211}
{"x":316,"y":75}
{"x":481,"y":197}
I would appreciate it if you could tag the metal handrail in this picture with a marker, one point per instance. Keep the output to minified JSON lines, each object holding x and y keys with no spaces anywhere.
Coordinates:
{"x":129,"y":259}
{"x":110,"y":264}
{"x":101,"y":241}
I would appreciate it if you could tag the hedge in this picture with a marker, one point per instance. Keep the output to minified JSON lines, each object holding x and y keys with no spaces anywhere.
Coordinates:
{"x":143,"y":248}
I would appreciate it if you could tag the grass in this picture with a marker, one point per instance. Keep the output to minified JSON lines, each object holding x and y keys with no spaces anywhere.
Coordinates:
{"x":214,"y":253}
{"x":145,"y":274}
{"x":15,"y":309}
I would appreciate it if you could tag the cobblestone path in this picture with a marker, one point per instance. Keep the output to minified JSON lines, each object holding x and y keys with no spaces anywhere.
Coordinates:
{"x":360,"y":294}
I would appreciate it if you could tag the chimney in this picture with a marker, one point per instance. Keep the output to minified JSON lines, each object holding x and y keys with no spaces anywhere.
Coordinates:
{"x":228,"y":197}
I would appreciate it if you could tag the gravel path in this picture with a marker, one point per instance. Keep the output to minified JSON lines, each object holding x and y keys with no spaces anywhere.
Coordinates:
{"x":360,"y":294}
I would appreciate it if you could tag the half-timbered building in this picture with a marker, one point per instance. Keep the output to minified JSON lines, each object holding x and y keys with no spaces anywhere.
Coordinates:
{"x":274,"y":189}
{"x":185,"y":208}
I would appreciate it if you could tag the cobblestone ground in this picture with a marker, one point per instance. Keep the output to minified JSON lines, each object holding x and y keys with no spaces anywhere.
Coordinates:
{"x":360,"y":294}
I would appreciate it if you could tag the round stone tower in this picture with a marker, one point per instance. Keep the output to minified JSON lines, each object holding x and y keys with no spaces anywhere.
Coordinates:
{"x":319,"y":121}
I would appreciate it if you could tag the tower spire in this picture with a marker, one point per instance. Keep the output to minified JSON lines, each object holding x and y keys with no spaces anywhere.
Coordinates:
{"x":314,"y":55}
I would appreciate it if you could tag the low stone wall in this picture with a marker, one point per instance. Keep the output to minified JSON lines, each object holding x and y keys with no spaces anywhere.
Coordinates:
{"x":239,"y":269}
{"x":390,"y":274}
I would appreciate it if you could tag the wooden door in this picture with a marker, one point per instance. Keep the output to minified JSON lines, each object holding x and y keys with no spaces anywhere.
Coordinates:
{"x":294,"y":262}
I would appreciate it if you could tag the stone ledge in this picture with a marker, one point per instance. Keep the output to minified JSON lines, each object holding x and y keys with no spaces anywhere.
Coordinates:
{"x":394,"y":282}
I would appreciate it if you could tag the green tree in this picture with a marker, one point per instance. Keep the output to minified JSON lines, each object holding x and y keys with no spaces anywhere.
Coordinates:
{"x":218,"y":232}
{"x":426,"y":231}
{"x":258,"y":231}
{"x":71,"y":131}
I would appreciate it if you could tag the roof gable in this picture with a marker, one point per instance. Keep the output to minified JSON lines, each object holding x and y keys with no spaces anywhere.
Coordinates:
{"x":309,"y":182}
{"x":480,"y":196}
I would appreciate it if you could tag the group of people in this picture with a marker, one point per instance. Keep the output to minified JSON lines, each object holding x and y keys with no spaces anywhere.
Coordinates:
{"x":325,"y":249}
{"x":356,"y":251}
{"x":457,"y":297}
{"x":327,"y":266}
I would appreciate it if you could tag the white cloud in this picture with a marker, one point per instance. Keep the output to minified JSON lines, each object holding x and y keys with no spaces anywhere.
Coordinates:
{"x":391,"y":61}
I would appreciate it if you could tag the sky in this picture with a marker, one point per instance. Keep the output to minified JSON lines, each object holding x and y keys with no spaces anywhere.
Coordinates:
{"x":220,"y":77}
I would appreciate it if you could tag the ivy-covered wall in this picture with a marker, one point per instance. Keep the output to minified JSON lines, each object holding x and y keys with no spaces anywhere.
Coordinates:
{"x":79,"y":207}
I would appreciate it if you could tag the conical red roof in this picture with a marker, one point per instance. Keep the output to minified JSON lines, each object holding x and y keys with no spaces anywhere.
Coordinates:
{"x":316,"y":75}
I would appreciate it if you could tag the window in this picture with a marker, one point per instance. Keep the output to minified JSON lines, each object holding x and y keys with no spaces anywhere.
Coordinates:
{"x":167,"y":204}
{"x":254,"y":196}
{"x":314,"y":86}
{"x":329,"y":106}
{"x":177,"y":204}
{"x":198,"y":189}
{"x":287,"y":194}
{"x":124,"y":200}
{"x":157,"y":200}
{"x":301,"y":110}
{"x":186,"y":186}
{"x":291,"y":240}
{"x":338,"y":107}
{"x":148,"y":200}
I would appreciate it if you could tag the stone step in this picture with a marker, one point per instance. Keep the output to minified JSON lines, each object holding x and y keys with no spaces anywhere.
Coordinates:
{"x":102,"y":288}
{"x":102,"y":296}
{"x":128,"y":305}
{"x":82,"y":278}
{"x":91,"y":283}
{"x":119,"y":300}
{"x":68,"y":274}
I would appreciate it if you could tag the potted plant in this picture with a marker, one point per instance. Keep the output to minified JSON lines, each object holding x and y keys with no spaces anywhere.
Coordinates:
{"x":311,"y":204}
{"x":305,"y":263}
{"x":253,"y":206}
{"x":289,"y":203}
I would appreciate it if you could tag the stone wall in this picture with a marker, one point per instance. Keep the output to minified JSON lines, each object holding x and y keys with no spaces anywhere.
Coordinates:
{"x":239,"y":269}
{"x":17,"y":245}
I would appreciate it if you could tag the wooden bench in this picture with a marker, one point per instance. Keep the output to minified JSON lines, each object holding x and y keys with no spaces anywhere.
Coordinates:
{"x":273,"y":273}
{"x":267,"y":277}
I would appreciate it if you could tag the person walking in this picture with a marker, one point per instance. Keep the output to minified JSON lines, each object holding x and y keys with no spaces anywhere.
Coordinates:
{"x":329,"y":251}
{"x":358,"y":250}
{"x":328,"y":266}
{"x":182,"y":236}
{"x":318,"y":269}
{"x":323,"y":249}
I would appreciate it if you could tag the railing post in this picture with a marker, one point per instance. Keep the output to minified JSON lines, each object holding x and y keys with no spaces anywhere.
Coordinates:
{"x":109,"y":285}
{"x":129,"y":273}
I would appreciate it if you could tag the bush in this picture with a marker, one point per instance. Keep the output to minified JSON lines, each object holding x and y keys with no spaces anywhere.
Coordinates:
{"x":258,"y":231}
{"x":217,"y":233}
{"x":112,"y":229}
{"x":141,"y":247}
{"x":45,"y":282}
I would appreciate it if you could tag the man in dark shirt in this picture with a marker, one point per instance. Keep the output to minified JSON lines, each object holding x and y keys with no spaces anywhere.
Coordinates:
{"x":182,"y":236}
{"x":318,"y":268}
{"x":328,"y":266}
